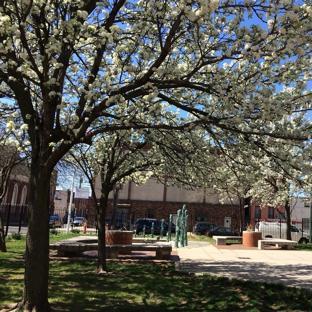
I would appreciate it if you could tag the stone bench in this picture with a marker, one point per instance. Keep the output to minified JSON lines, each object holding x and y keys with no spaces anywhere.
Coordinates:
{"x":221,"y":240}
{"x":72,"y":248}
{"x":277,"y":242}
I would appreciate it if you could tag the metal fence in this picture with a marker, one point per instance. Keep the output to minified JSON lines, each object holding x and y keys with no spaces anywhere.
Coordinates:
{"x":13,"y":215}
{"x":278,"y":229}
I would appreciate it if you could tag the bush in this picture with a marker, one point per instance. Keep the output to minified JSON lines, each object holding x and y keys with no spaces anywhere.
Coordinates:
{"x":75,"y":231}
{"x":53,"y":231}
{"x":16,"y":236}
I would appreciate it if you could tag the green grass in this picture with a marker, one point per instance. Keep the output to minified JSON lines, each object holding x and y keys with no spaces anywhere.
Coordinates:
{"x":304,"y":247}
{"x":74,"y":286}
{"x":201,"y":238}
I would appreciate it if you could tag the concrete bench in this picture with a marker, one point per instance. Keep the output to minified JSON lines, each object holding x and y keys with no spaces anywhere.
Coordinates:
{"x":277,"y":242}
{"x":221,"y":240}
{"x":73,"y":248}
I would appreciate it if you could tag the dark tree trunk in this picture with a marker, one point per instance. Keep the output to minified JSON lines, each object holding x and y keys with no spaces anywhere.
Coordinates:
{"x":35,"y":296}
{"x":2,"y":236}
{"x":102,"y":267}
{"x":288,"y":219}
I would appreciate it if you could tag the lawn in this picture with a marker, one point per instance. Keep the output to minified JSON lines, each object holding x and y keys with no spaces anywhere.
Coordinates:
{"x":304,"y":247}
{"x":200,"y":238}
{"x":74,"y":286}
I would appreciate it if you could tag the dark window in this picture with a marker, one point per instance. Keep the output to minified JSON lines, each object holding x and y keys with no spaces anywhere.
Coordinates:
{"x":271,"y":213}
{"x":257,"y":213}
{"x":279,"y":214}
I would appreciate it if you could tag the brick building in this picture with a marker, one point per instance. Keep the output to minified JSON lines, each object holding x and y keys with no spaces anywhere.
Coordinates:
{"x":156,"y":200}
{"x":14,"y":205}
{"x":299,"y":209}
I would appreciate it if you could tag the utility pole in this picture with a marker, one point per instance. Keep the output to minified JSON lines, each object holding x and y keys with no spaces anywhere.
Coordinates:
{"x":70,"y":203}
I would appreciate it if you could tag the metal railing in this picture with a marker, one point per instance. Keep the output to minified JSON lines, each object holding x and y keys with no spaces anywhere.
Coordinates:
{"x":13,"y":215}
{"x":278,"y":229}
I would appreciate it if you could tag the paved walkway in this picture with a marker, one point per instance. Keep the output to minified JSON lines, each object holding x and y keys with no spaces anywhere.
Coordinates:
{"x":290,"y":267}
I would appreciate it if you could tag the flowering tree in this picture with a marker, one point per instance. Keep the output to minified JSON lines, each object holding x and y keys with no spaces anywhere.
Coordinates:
{"x":276,"y":182}
{"x":9,"y":159}
{"x":269,"y":172}
{"x":114,"y":159}
{"x":12,"y":154}
{"x":233,"y":66}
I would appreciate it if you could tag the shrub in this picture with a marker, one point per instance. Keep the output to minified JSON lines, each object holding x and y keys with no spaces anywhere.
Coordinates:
{"x":53,"y":231}
{"x":16,"y":236}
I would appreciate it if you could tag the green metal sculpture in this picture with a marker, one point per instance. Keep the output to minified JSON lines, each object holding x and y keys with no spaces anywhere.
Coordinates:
{"x":152,"y":229}
{"x":169,"y":228}
{"x":178,"y":228}
{"x":181,"y":228}
{"x":162,"y":228}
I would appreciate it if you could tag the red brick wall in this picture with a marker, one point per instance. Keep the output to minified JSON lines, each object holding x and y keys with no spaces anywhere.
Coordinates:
{"x":264,"y":212}
{"x":214,"y":213}
{"x":9,"y":194}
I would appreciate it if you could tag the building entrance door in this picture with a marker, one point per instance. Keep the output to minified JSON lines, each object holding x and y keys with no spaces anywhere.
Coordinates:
{"x":227,"y":222}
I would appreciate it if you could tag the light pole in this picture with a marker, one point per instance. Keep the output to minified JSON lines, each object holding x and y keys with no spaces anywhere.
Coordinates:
{"x":70,"y":203}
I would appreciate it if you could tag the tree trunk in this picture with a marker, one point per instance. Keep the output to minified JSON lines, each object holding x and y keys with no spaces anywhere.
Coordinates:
{"x":102,"y":267}
{"x":37,"y":242}
{"x":2,"y":236}
{"x":288,"y":219}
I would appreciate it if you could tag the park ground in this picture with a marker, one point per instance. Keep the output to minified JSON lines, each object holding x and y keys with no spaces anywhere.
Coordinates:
{"x":135,"y":286}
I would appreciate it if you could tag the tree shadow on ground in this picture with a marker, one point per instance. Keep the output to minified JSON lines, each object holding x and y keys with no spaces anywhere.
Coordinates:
{"x":289,"y":275}
{"x":137,"y":287}
{"x":75,"y":286}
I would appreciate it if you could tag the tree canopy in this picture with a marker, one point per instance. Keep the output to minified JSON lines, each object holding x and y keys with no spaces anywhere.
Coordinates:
{"x":237,"y":66}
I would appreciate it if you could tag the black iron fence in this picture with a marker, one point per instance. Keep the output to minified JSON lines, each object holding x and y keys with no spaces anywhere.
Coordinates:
{"x":278,"y":229}
{"x":13,"y":215}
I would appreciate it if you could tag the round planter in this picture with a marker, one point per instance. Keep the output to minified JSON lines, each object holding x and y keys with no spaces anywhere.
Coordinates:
{"x":117,"y":237}
{"x":250,"y":239}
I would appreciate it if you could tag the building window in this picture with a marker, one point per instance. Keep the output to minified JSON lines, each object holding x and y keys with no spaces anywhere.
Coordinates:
{"x":14,"y":195}
{"x":280,"y":215}
{"x":271,"y":213}
{"x":257,"y":212}
{"x":24,"y":195}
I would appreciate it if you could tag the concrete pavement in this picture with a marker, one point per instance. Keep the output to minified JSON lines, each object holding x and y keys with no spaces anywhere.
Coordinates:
{"x":289,"y":267}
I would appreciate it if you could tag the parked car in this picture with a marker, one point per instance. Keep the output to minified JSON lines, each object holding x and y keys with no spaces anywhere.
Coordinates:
{"x":79,"y":221}
{"x":147,"y":222}
{"x":278,"y":230}
{"x":203,"y":228}
{"x":221,"y":231}
{"x":55,"y":221}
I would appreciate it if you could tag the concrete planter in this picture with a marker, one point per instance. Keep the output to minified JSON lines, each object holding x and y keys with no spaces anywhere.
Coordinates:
{"x":118,"y":237}
{"x":250,"y":238}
